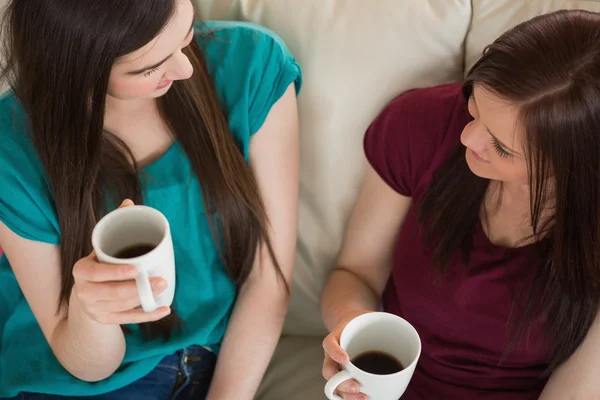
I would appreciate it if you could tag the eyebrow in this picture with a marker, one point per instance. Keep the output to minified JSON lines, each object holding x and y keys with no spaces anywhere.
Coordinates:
{"x":158,"y":64}
{"x":492,"y":135}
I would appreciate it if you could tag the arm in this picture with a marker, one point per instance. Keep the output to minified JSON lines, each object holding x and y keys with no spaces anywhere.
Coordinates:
{"x":363,"y":268}
{"x":103,"y":298}
{"x":73,"y":336}
{"x":365,"y":261}
{"x":577,"y":378}
{"x":263,"y":300}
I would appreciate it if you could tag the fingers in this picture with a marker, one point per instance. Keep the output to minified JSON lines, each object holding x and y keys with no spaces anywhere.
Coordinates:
{"x":330,"y":368}
{"x":126,"y":203}
{"x":108,"y":306}
{"x":88,"y":269}
{"x":349,"y":387}
{"x":116,"y":291}
{"x":135,"y":316}
{"x":350,"y":390}
{"x":334,"y":357}
{"x":350,"y":396}
{"x":332,"y":348}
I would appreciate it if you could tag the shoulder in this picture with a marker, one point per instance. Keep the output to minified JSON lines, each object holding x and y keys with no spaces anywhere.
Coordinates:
{"x":16,"y":147}
{"x":251,"y":67}
{"x":424,"y":110}
{"x":243,"y":40}
{"x":413,"y":131}
{"x":25,"y":195}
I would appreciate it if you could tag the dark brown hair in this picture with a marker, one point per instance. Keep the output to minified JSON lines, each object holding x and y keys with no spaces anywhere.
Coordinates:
{"x":550,"y":68}
{"x":60,"y":55}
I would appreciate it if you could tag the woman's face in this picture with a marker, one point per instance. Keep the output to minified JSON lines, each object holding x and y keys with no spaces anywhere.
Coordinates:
{"x":150,"y":71}
{"x":494,"y":140}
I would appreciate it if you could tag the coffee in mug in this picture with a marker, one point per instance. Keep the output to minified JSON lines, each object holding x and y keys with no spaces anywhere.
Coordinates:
{"x":134,"y":251}
{"x":377,"y":362}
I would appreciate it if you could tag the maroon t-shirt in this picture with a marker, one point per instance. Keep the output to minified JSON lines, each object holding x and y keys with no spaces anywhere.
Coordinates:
{"x":463,"y":320}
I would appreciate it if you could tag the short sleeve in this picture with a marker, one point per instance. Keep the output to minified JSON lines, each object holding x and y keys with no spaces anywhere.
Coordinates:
{"x":26,"y":205}
{"x":404,"y":139}
{"x":274,"y":71}
{"x":252,"y":68}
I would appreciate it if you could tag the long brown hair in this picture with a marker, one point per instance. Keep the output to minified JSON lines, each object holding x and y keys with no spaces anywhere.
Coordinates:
{"x":60,"y":55}
{"x":550,"y":68}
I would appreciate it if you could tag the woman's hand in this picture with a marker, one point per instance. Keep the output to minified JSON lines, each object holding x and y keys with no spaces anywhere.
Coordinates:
{"x":336,"y":356}
{"x":108,"y":293}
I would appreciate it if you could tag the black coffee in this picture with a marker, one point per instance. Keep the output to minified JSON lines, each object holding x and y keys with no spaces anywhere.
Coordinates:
{"x":377,"y":362}
{"x":135,"y":251}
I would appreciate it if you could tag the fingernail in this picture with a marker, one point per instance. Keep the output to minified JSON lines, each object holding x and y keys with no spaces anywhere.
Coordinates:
{"x":132,"y":271}
{"x":159,"y":284}
{"x":354,"y":389}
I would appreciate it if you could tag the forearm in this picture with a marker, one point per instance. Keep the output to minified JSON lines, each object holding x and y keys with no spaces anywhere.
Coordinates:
{"x":87,"y":349}
{"x":248,"y":346}
{"x":344,"y":295}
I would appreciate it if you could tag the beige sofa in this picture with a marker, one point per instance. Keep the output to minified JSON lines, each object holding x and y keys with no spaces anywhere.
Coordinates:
{"x":356,"y":56}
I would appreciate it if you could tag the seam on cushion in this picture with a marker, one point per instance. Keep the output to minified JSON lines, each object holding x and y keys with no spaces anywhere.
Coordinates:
{"x":467,"y":34}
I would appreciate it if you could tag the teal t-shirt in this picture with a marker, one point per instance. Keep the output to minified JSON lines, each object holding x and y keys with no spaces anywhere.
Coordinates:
{"x":251,"y":68}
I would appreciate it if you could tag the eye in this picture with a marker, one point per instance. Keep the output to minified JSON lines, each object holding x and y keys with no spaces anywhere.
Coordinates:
{"x":152,"y":71}
{"x":501,"y":152}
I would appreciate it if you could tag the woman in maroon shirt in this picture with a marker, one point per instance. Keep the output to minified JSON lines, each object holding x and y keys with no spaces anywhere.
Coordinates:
{"x":479,"y":223}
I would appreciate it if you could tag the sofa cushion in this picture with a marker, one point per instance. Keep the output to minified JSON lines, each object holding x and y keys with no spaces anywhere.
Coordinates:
{"x":491,"y":18}
{"x":295,"y":371}
{"x":356,"y":57}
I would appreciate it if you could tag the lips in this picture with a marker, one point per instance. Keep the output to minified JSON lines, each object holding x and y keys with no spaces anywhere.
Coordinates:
{"x":163,"y":84}
{"x":478,"y":157}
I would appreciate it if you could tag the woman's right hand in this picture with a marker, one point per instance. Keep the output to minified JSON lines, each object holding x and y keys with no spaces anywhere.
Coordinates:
{"x":108,"y":293}
{"x":336,"y":356}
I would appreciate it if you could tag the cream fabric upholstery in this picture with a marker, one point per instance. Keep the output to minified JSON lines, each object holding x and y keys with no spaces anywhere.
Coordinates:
{"x":493,"y":17}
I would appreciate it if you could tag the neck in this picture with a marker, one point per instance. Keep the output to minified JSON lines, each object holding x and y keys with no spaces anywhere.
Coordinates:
{"x":506,"y":194}
{"x":116,"y":106}
{"x":119,"y":111}
{"x":515,"y":191}
{"x":518,"y":196}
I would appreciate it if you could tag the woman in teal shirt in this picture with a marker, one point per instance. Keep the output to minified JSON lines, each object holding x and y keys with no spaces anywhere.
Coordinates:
{"x":115,"y":100}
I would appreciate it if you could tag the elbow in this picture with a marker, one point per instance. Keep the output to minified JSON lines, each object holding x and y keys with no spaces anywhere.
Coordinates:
{"x":86,"y":363}
{"x":91,"y":375}
{"x":91,"y":371}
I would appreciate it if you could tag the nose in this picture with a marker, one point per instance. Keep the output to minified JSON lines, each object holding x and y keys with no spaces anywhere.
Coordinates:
{"x":474,"y":137}
{"x":180,"y":68}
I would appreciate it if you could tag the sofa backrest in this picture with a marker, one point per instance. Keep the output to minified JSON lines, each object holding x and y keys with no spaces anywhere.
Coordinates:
{"x":493,"y":17}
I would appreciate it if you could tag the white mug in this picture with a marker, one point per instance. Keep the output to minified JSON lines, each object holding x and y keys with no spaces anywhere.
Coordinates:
{"x":139,"y":225}
{"x":380,"y":332}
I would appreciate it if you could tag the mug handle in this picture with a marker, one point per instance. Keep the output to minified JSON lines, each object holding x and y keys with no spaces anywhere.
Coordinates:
{"x":334,"y":382}
{"x":145,"y":291}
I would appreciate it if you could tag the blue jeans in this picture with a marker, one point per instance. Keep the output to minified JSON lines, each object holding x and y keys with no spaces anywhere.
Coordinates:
{"x":181,"y":376}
